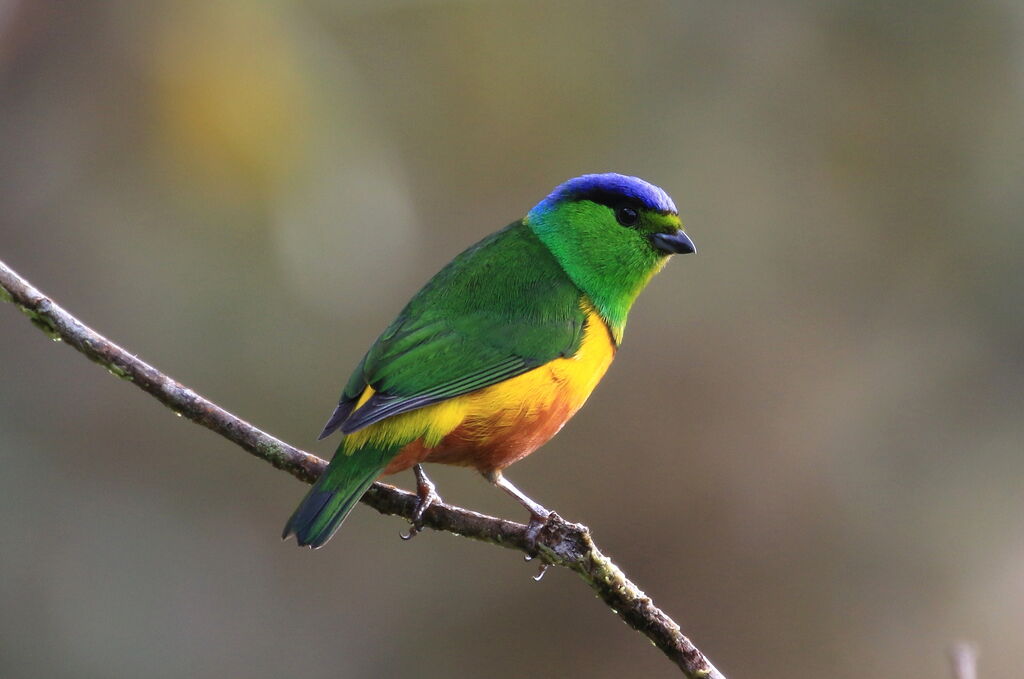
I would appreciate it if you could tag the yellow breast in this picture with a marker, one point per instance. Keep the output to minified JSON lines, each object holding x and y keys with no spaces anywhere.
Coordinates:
{"x":563,"y":384}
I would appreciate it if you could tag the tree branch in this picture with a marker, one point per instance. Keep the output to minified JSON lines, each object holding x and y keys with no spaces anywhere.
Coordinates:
{"x":560,"y":543}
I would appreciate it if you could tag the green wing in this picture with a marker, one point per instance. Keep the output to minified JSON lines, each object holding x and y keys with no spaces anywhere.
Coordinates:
{"x":499,"y":309}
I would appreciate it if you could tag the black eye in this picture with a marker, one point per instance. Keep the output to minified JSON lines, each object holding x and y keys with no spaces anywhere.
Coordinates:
{"x":626,"y":215}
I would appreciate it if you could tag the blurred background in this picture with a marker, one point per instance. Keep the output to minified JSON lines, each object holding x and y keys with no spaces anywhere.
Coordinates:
{"x":810,"y":450}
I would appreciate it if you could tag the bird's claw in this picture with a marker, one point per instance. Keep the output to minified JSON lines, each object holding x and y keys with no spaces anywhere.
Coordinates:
{"x":533,"y":529}
{"x":423,"y":503}
{"x":541,"y":571}
{"x":426,"y":495}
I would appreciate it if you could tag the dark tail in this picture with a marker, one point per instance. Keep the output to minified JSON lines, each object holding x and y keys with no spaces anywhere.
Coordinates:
{"x":334,"y":495}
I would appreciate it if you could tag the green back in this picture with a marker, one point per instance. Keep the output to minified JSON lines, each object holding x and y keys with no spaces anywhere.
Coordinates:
{"x":499,"y":309}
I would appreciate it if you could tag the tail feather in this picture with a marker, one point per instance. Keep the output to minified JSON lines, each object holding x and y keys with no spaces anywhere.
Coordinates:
{"x":334,"y":495}
{"x":320,"y":515}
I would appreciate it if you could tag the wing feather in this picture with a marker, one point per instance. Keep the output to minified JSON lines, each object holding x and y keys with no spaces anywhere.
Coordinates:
{"x":498,"y":310}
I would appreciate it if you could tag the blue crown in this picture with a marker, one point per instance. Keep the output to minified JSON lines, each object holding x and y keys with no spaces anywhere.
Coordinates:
{"x":609,"y":189}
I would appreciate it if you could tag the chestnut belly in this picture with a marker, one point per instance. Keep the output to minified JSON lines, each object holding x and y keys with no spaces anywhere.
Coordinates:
{"x":488,"y":443}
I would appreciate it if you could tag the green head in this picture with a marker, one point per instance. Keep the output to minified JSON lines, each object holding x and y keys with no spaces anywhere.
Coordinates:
{"x":610,"y":233}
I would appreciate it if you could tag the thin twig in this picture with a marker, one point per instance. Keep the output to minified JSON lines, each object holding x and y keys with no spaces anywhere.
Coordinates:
{"x":963,"y":656}
{"x":560,"y":543}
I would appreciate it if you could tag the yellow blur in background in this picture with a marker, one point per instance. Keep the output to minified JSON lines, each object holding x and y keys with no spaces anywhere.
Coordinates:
{"x":810,"y":449}
{"x":230,"y":95}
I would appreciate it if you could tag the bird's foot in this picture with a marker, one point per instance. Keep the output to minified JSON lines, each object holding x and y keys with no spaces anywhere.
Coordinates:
{"x":540,"y":517}
{"x":426,"y":495}
{"x":537,"y":524}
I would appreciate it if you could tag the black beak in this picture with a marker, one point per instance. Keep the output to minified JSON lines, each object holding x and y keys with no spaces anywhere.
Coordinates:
{"x":677,"y":243}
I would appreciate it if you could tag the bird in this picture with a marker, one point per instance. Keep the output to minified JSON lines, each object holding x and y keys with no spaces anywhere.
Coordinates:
{"x":498,"y":350}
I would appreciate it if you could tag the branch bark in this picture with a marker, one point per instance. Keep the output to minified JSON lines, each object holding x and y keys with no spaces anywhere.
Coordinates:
{"x":561,"y":543}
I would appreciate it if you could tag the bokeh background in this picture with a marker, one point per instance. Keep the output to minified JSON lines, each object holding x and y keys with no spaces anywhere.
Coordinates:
{"x":810,"y":450}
